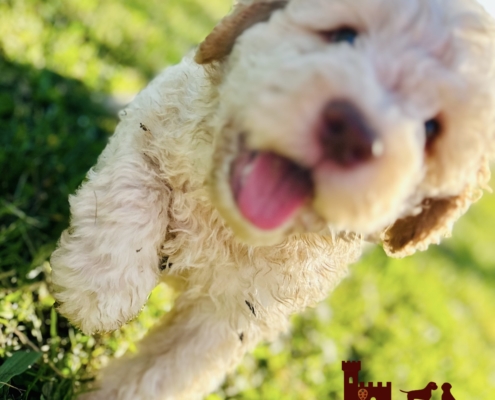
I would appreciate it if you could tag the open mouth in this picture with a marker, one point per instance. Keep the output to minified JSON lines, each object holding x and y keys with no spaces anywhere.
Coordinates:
{"x":269,"y":189}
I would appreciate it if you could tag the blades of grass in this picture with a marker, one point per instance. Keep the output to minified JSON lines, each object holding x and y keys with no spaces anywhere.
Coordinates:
{"x":69,"y":394}
{"x":5,"y":391}
{"x":47,"y":390}
{"x":63,"y":390}
{"x":20,"y":185}
{"x":17,"y":364}
{"x":13,"y":210}
{"x":27,"y":240}
{"x":39,"y":375}
{"x":53,"y":323}
{"x":7,"y":274}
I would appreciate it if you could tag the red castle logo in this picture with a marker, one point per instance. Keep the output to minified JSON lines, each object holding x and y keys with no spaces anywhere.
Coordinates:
{"x":355,"y":390}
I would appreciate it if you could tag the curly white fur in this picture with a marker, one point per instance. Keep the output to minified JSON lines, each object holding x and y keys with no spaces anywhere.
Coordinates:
{"x":156,"y":203}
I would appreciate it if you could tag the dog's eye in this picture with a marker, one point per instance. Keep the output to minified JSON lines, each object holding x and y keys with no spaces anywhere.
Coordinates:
{"x":433,"y":128}
{"x":341,"y":35}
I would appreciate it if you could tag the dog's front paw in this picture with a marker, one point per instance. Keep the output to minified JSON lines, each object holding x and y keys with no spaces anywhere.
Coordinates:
{"x":100,"y":298}
{"x":95,"y":312}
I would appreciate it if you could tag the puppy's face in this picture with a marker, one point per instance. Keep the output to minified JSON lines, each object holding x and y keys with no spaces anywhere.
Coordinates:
{"x":352,"y":114}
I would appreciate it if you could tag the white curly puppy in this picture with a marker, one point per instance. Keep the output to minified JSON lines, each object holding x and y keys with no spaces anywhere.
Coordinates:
{"x":251,"y":172}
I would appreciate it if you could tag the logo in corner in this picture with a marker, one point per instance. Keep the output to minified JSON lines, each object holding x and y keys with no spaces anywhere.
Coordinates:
{"x":355,"y":390}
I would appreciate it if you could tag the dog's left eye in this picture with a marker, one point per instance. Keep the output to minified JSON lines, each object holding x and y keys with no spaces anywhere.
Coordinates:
{"x":341,"y":35}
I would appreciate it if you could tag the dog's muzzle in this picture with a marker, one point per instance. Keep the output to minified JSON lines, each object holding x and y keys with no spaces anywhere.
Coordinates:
{"x":269,"y":189}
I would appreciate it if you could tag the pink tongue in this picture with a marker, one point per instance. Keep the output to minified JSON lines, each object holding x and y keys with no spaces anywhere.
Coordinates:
{"x":272,"y":191}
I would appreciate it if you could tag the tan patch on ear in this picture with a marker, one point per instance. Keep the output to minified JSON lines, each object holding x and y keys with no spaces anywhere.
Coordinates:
{"x":219,"y":43}
{"x":434,"y":222}
{"x":406,"y":234}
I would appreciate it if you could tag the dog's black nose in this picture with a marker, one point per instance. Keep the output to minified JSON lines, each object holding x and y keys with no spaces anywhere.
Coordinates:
{"x":346,"y":137}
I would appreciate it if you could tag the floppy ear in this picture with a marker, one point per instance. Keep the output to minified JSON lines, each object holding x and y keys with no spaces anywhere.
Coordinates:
{"x":433,"y":223}
{"x":436,"y":218}
{"x":219,"y":43}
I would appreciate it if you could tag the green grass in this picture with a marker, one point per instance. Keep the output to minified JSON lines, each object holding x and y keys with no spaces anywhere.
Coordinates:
{"x":428,"y":317}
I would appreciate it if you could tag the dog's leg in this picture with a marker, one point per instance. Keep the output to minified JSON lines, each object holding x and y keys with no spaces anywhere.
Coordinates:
{"x":184,"y":358}
{"x":107,"y":262}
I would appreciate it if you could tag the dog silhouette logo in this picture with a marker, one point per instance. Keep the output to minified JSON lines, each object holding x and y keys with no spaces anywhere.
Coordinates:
{"x":422,"y":394}
{"x":447,"y":394}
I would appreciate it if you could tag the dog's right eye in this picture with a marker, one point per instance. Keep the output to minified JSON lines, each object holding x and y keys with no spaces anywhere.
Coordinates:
{"x":433,"y":129}
{"x":347,"y":35}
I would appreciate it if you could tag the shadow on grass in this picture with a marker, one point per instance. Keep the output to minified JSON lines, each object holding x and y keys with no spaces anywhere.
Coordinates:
{"x":53,"y":129}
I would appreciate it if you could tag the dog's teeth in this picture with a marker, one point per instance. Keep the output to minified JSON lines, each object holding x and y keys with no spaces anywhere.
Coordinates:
{"x":250,"y":165}
{"x":247,"y":170}
{"x":377,"y":148}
